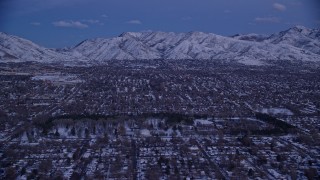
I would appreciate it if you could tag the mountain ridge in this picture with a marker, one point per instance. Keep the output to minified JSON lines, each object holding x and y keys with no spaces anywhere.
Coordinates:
{"x":294,"y":44}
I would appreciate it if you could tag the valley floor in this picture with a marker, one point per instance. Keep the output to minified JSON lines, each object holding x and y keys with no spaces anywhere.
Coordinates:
{"x":160,"y":119}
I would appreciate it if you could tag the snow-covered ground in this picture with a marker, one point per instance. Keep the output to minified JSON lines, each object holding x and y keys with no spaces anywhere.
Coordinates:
{"x":203,"y":121}
{"x":145,"y":132}
{"x":58,"y":78}
{"x":276,"y":111}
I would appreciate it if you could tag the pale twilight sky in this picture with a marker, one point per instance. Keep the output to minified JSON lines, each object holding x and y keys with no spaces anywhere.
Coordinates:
{"x":61,"y":23}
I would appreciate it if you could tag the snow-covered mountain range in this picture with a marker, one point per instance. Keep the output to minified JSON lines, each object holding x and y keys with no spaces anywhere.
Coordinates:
{"x":15,"y":49}
{"x":295,"y":44}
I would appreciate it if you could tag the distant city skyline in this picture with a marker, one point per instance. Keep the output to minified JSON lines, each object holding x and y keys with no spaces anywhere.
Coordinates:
{"x":60,"y":23}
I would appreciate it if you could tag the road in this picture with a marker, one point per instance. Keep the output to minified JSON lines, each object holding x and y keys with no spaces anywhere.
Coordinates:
{"x":212,"y":163}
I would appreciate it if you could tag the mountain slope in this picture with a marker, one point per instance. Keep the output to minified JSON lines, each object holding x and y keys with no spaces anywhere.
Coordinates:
{"x":15,"y":49}
{"x":196,"y":45}
{"x":126,"y":47}
{"x":295,"y":44}
{"x":298,"y":36}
